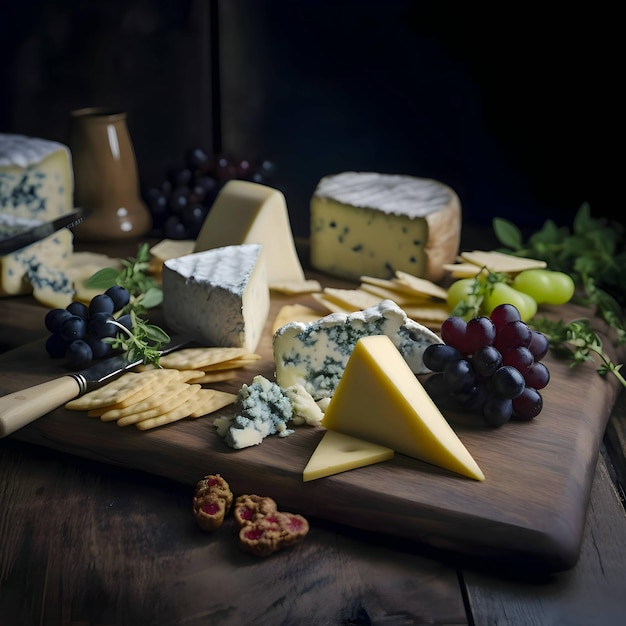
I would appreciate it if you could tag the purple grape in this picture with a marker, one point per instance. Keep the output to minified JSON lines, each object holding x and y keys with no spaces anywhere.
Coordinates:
{"x":513,"y":335}
{"x":486,"y":361}
{"x":459,"y":375}
{"x":528,"y":405}
{"x":503,"y":314}
{"x":480,"y":332}
{"x":520,"y":358}
{"x":438,"y":355}
{"x":507,"y":382}
{"x":78,"y":355}
{"x":537,"y":375}
{"x":73,"y":328}
{"x":54,"y":318}
{"x":539,"y":345}
{"x":102,"y":303}
{"x":453,"y":332}
{"x":497,"y":411}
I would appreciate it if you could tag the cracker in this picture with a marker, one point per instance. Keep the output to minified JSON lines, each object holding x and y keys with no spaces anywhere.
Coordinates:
{"x":170,"y":415}
{"x":421,"y":285}
{"x":116,"y":391}
{"x":501,"y":262}
{"x":355,"y":299}
{"x":159,"y":396}
{"x":400,"y":298}
{"x":295,"y":313}
{"x":199,"y":358}
{"x":333,"y":307}
{"x":210,"y":400}
{"x":170,"y":404}
{"x":236,"y":363}
{"x":216,"y":377}
{"x":435,"y":312}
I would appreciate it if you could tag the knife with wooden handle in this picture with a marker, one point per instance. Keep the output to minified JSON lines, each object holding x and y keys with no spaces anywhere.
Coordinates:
{"x":20,"y":408}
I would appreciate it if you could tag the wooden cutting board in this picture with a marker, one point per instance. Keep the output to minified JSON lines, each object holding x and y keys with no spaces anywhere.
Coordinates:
{"x":529,"y":511}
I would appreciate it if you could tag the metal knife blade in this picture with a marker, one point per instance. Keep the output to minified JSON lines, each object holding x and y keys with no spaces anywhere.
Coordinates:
{"x":23,"y":407}
{"x":16,"y":234}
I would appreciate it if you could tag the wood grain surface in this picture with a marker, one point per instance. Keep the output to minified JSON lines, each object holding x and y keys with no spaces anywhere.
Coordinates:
{"x":530,"y":510}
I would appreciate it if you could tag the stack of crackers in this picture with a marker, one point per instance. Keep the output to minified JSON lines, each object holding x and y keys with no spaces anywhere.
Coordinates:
{"x":421,"y":299}
{"x":154,"y":396}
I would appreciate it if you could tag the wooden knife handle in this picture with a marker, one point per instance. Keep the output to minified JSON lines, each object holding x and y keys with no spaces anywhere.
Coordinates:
{"x":23,"y":407}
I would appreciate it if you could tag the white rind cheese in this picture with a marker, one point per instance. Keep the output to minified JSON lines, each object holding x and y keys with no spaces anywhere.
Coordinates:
{"x":315,"y":354}
{"x":246,"y":212}
{"x":380,"y":400}
{"x":36,"y":178}
{"x":365,"y":223}
{"x":219,"y":297}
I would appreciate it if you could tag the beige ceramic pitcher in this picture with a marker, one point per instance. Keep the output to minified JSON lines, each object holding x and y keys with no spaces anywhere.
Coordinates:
{"x":106,"y":182}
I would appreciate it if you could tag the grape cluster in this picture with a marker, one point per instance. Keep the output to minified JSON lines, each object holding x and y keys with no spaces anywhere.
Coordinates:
{"x":489,"y":365}
{"x":180,"y":204}
{"x":526,"y":291}
{"x":77,"y":331}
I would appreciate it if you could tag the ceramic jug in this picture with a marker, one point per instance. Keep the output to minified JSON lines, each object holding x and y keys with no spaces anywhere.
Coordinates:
{"x":106,"y":182}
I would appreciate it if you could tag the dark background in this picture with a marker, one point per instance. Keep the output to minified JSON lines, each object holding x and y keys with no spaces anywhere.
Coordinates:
{"x":518,"y":109}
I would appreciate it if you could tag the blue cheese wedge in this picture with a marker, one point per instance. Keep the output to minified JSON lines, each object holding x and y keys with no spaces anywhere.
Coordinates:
{"x":219,"y":297}
{"x":19,"y":269}
{"x":366,"y":223}
{"x":315,"y":354}
{"x":36,"y":178}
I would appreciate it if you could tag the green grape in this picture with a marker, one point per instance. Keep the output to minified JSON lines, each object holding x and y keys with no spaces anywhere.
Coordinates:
{"x":460,"y":290}
{"x":563,"y":287}
{"x":505,"y":294}
{"x":545,"y":286}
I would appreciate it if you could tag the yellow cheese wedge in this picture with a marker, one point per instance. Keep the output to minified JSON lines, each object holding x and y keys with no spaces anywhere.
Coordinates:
{"x":246,"y":212}
{"x":337,"y":453}
{"x":379,"y":399}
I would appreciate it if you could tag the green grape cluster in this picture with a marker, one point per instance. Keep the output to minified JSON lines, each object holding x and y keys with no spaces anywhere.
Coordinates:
{"x":526,"y":290}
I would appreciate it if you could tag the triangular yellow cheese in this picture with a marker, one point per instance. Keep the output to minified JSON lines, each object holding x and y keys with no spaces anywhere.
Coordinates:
{"x":246,"y":212}
{"x":337,"y":453}
{"x":379,"y":399}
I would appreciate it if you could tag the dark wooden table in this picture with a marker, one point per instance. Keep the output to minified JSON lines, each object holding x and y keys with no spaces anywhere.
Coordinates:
{"x":84,"y":543}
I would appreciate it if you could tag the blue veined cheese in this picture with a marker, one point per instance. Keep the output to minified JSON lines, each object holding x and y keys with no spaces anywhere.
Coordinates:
{"x":261,"y":409}
{"x":36,"y":178}
{"x":366,"y":223}
{"x":315,"y":354}
{"x":219,"y":297}
{"x":15,"y":268}
{"x":52,"y":287}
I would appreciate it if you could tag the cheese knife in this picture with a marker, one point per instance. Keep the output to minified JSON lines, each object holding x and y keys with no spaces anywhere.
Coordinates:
{"x":17,"y":233}
{"x":20,"y":408}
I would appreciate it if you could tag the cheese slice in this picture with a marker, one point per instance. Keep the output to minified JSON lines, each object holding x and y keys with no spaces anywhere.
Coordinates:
{"x":36,"y":178}
{"x":376,"y":224}
{"x":219,"y":297}
{"x":246,"y":212}
{"x":337,"y":453}
{"x":379,"y":399}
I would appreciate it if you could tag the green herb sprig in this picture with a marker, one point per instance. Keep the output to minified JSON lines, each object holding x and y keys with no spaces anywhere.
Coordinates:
{"x":577,"y":341}
{"x":145,"y":340}
{"x":593,"y":253}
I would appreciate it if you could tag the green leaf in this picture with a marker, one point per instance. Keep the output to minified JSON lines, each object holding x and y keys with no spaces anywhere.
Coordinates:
{"x":507,"y":233}
{"x":103,"y":279}
{"x":151,"y":298}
